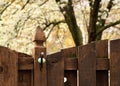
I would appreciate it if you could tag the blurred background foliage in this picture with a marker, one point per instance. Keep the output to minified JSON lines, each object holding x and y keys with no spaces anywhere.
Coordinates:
{"x":19,"y":19}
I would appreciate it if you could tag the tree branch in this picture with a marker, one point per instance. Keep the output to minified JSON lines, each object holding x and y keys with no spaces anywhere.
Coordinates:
{"x":107,"y":26}
{"x":109,"y":7}
{"x":6,"y":8}
{"x":54,"y":23}
{"x":25,"y":4}
{"x":50,"y":31}
{"x":67,"y":10}
{"x":90,"y":3}
{"x":103,"y":20}
{"x":43,"y":3}
{"x":93,"y":19}
{"x":29,"y":1}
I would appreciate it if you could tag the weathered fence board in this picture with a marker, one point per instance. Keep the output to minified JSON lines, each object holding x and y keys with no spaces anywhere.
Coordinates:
{"x":25,"y":78}
{"x":101,"y":52}
{"x":72,"y":64}
{"x":25,"y":69}
{"x":115,"y":63}
{"x":87,"y":65}
{"x":25,"y":63}
{"x":70,"y":74}
{"x":8,"y":67}
{"x":55,"y":69}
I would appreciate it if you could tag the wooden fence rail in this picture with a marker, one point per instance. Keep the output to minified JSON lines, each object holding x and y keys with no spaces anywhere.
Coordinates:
{"x":94,"y":64}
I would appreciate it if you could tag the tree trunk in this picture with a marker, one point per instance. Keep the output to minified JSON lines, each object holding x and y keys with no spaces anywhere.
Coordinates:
{"x":70,"y":19}
{"x":93,"y":19}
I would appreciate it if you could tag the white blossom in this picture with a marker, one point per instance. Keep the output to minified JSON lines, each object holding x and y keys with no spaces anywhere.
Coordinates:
{"x":64,"y":1}
{"x":115,"y":1}
{"x":62,"y":5}
{"x":103,"y":16}
{"x":2,"y":2}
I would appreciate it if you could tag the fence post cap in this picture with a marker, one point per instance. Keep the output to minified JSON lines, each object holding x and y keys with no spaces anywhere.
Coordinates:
{"x":39,"y":35}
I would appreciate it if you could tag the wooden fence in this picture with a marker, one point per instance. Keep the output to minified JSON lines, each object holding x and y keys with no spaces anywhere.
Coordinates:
{"x":94,"y":64}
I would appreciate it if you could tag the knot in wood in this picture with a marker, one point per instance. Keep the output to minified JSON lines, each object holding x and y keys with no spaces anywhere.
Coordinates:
{"x":1,"y":69}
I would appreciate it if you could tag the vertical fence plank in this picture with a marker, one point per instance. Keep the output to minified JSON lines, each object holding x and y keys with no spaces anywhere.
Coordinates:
{"x":71,"y":75}
{"x":8,"y":67}
{"x":87,"y":65}
{"x":55,"y":69}
{"x":40,"y":77}
{"x":102,"y":52}
{"x":25,"y":78}
{"x":115,"y":63}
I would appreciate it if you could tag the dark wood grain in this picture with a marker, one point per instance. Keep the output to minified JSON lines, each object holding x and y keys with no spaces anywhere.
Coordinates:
{"x":25,"y":78}
{"x":25,"y":63}
{"x":55,"y":69}
{"x":102,"y":64}
{"x":8,"y":67}
{"x":69,"y":54}
{"x":87,"y":65}
{"x":72,"y":64}
{"x":102,"y":52}
{"x":115,"y":63}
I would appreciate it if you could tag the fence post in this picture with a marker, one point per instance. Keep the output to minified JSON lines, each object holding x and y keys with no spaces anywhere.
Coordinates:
{"x":40,"y":78}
